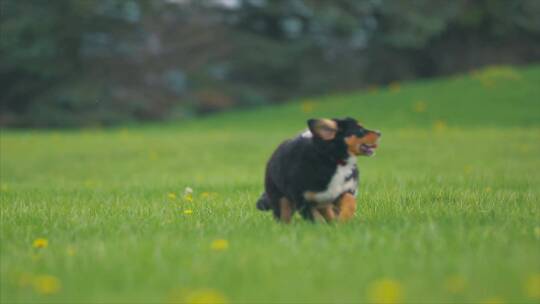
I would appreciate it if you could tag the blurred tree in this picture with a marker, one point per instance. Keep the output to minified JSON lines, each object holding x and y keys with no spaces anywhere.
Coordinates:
{"x":80,"y":62}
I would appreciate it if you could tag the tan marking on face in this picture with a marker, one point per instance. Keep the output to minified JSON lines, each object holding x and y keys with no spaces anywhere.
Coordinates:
{"x":346,"y":206}
{"x":354,"y":142}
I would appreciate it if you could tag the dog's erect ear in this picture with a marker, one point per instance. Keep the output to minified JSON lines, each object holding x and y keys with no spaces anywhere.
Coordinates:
{"x":325,"y":129}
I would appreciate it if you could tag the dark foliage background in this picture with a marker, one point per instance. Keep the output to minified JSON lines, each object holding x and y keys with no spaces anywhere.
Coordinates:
{"x":86,"y":62}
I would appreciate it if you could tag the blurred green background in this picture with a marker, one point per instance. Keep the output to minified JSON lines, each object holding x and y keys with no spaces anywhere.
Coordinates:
{"x":92,"y":63}
{"x":132,"y":193}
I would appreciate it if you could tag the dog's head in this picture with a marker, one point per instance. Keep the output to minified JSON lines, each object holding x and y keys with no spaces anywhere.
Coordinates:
{"x":358,"y":140}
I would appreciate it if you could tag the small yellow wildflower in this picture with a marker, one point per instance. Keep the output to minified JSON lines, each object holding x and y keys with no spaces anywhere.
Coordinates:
{"x":152,"y":155}
{"x":40,"y":243}
{"x":307,"y":106}
{"x":420,"y":107}
{"x":494,"y":300}
{"x":188,"y":211}
{"x":455,"y":284}
{"x":208,"y":195}
{"x":188,"y":194}
{"x":46,"y":284}
{"x":385,"y":291}
{"x":205,"y":296}
{"x":219,"y":245}
{"x":90,"y":183}
{"x":70,"y":250}
{"x":440,"y":125}
{"x":488,"y":189}
{"x":532,"y":286}
{"x":394,"y":87}
{"x":171,"y":196}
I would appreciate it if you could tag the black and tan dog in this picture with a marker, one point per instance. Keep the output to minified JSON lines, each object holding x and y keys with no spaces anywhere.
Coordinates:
{"x":315,"y":173}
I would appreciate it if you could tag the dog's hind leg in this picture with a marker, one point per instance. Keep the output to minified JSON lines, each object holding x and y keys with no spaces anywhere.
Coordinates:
{"x":264,"y":203}
{"x":284,"y":210}
{"x":312,"y":214}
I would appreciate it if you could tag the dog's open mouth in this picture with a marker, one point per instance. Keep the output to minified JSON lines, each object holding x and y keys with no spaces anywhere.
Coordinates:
{"x":368,"y":149}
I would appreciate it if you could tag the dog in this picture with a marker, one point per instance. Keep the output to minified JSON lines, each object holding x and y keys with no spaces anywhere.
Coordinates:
{"x":315,"y":173}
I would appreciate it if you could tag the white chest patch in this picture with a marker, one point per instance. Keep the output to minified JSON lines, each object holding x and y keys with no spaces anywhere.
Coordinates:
{"x":340,"y":183}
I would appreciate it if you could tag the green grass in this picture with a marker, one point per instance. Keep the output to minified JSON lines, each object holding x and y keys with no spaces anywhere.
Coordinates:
{"x":449,"y":209}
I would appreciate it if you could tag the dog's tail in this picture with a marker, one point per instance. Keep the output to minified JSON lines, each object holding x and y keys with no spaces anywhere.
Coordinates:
{"x":263,"y":203}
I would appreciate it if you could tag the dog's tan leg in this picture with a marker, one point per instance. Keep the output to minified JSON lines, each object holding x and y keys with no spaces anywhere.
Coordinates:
{"x":285,"y":210}
{"x":347,"y":207}
{"x":328,"y":213}
{"x":317,"y":216}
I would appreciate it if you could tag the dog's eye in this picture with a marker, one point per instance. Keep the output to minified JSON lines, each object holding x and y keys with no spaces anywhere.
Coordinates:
{"x":360,"y":132}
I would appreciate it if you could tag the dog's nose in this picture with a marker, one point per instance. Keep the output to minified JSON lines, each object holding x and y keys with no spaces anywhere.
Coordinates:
{"x":379,"y":133}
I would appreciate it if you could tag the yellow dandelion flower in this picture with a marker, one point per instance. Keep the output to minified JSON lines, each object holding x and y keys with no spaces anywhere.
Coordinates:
{"x":420,"y":107}
{"x":494,"y":300}
{"x":188,"y":194}
{"x":394,"y":87}
{"x":488,"y":189}
{"x":385,"y":291}
{"x":205,"y":194}
{"x":219,"y":245}
{"x":440,"y":125}
{"x":307,"y":106}
{"x":532,"y":285}
{"x":188,"y":211}
{"x":90,"y":183}
{"x":455,"y":284}
{"x":152,"y":155}
{"x":71,"y":251}
{"x":205,"y":296}
{"x":171,"y":196}
{"x":46,"y":284}
{"x":40,"y":243}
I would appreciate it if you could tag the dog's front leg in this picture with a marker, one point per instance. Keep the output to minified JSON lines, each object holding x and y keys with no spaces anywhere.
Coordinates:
{"x":346,"y":206}
{"x":328,"y":213}
{"x":317,"y":216}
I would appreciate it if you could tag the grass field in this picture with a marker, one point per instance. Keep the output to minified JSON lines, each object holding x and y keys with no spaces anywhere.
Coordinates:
{"x":449,"y":208}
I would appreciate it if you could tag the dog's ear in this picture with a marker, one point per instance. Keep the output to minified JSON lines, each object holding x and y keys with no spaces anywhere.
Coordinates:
{"x":324,"y":129}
